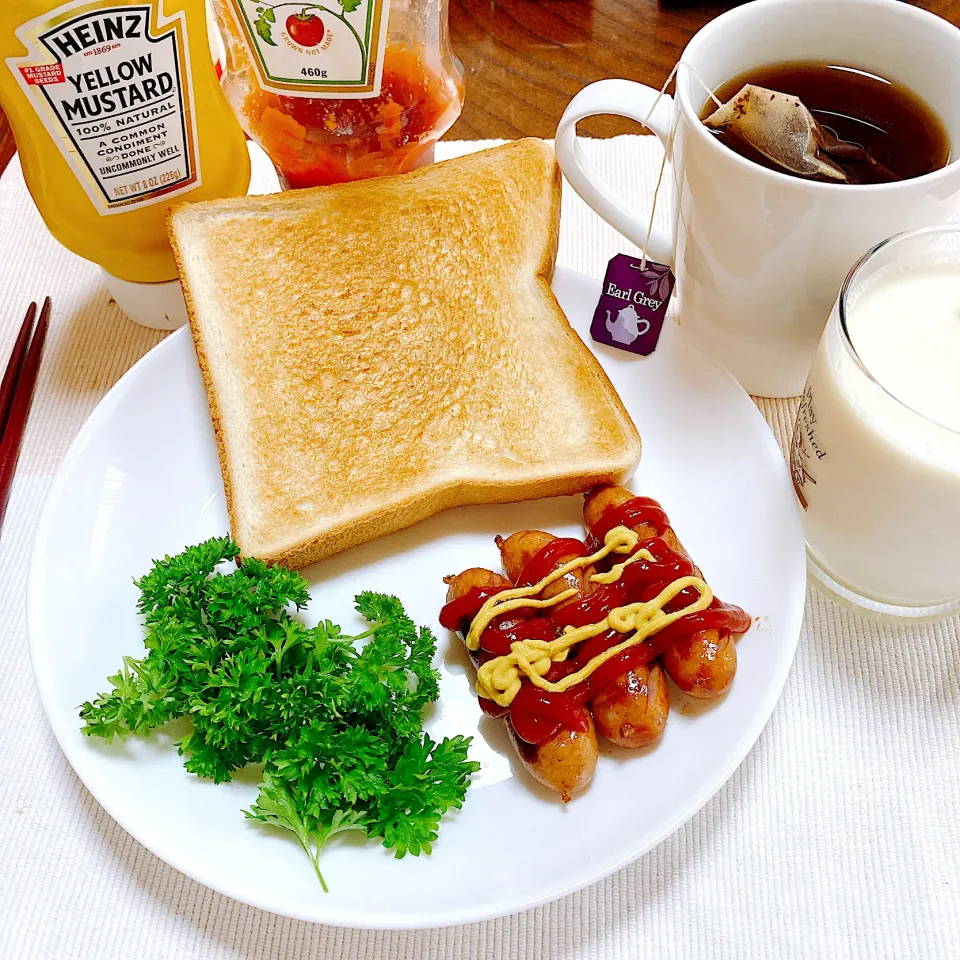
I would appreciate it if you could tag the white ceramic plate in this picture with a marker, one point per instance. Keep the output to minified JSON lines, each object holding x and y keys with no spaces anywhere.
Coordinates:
{"x":142,"y":479}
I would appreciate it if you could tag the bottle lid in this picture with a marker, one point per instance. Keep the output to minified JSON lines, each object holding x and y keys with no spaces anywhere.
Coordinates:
{"x":156,"y":305}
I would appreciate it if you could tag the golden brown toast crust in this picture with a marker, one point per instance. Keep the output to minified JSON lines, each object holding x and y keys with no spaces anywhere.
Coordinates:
{"x":376,"y":352}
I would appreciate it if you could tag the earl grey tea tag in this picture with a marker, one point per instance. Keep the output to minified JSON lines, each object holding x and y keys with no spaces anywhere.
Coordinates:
{"x":632,"y":305}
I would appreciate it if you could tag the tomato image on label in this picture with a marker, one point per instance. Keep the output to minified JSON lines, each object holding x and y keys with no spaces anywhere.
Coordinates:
{"x":305,"y":28}
{"x":335,"y":46}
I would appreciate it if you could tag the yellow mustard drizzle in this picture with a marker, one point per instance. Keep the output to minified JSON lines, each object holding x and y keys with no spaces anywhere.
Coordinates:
{"x":500,"y":679}
{"x":613,"y":574}
{"x":617,"y":540}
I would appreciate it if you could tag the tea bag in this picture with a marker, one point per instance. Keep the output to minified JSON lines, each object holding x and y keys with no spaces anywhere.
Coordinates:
{"x":781,"y":127}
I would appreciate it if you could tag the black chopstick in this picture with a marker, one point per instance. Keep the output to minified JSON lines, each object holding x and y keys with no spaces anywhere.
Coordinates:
{"x":19,"y":405}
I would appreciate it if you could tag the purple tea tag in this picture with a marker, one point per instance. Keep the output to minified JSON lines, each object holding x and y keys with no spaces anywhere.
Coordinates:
{"x":632,"y":306}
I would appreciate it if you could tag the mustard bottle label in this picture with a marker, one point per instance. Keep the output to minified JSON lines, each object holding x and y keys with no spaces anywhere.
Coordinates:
{"x":332,"y":49}
{"x":111,"y":83}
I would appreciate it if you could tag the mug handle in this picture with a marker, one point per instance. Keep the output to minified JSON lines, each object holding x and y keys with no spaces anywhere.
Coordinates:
{"x":634,"y":101}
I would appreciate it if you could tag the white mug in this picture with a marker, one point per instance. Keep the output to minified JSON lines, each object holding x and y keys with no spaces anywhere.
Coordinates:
{"x":759,"y":255}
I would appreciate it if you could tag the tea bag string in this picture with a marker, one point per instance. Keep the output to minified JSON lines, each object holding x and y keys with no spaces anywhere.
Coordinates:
{"x":663,"y":163}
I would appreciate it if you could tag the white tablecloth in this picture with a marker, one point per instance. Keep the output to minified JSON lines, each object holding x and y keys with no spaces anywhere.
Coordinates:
{"x":838,"y":837}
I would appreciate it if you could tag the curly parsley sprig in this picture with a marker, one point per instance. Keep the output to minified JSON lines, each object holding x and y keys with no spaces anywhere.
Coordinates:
{"x":336,"y":720}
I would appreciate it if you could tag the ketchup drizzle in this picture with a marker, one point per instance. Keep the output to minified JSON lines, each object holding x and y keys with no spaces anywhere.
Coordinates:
{"x":640,"y":511}
{"x":456,"y":613}
{"x":552,"y":555}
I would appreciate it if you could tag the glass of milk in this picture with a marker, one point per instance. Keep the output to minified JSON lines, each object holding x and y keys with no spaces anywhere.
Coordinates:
{"x":875,"y":456}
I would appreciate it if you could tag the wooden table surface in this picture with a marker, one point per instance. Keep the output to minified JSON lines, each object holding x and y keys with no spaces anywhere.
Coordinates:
{"x":525,"y":59}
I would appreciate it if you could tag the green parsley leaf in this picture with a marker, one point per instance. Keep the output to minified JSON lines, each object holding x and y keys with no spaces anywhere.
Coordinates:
{"x":426,"y":780}
{"x":336,"y":721}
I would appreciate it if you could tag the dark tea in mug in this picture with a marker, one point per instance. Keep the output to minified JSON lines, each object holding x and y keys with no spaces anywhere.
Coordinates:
{"x":892,"y":124}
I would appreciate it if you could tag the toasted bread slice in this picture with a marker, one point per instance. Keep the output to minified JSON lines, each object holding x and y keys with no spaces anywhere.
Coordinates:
{"x":376,"y":352}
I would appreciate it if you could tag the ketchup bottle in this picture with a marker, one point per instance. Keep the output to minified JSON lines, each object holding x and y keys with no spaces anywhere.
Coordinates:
{"x":341,"y":90}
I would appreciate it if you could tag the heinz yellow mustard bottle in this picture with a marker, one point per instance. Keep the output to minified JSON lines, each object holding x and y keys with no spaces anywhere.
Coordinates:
{"x":118,"y":115}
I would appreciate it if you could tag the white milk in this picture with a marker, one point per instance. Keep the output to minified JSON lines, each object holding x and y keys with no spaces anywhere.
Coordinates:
{"x":876,"y":452}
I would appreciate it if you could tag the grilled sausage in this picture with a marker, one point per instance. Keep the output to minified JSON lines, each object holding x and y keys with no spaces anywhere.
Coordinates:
{"x":702,"y":665}
{"x":565,"y":762}
{"x":521,"y":547}
{"x":631,"y":711}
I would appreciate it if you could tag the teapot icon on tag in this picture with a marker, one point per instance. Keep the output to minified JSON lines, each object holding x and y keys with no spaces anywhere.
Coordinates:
{"x":627,"y":326}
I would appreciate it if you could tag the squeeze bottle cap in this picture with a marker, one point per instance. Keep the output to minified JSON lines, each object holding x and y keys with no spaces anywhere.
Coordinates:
{"x":156,"y":305}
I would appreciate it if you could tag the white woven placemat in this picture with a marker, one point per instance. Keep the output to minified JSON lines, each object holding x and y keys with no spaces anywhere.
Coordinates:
{"x":838,"y":837}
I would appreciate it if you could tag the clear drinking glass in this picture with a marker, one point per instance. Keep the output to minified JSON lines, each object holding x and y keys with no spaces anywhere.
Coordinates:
{"x":875,"y":456}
